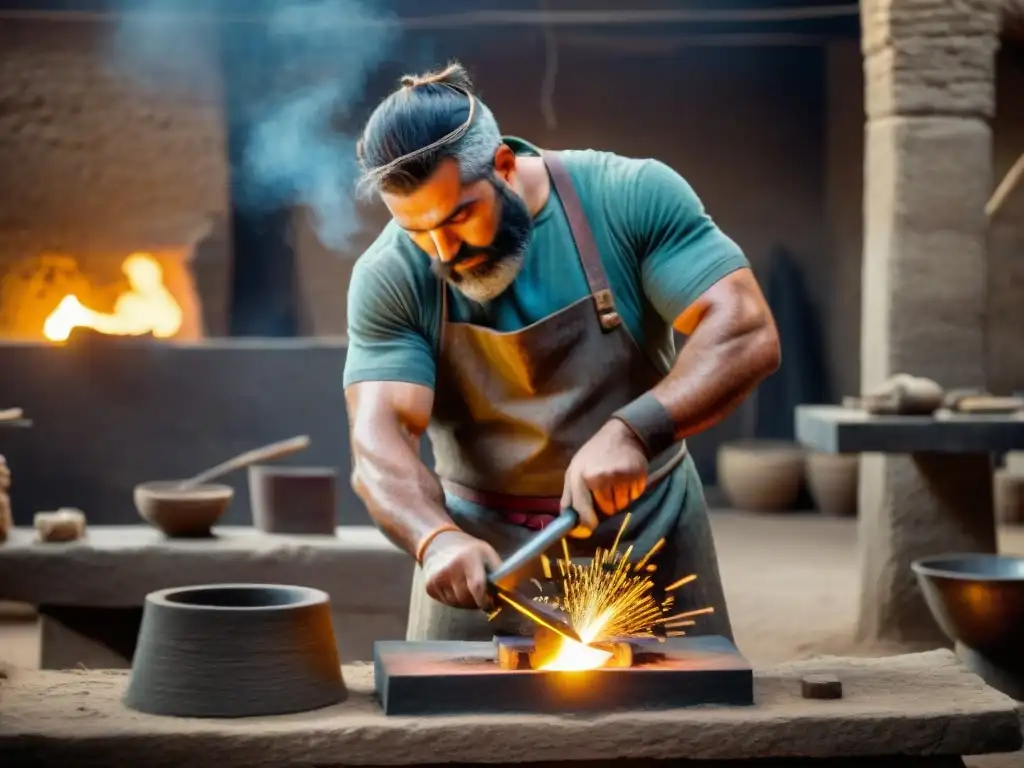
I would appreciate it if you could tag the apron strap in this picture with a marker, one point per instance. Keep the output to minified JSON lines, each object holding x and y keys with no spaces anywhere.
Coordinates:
{"x":586,"y":246}
{"x":443,"y":323}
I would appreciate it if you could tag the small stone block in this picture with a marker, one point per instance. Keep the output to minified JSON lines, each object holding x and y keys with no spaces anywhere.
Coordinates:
{"x":66,"y":524}
{"x":821,"y":687}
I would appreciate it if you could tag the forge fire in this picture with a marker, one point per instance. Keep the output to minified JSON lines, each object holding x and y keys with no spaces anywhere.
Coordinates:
{"x":146,"y":307}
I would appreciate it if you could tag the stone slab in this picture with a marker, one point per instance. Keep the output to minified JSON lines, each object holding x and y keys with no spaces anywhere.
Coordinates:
{"x":117,"y":566}
{"x":834,"y":429}
{"x":919,"y":704}
{"x":451,"y":678}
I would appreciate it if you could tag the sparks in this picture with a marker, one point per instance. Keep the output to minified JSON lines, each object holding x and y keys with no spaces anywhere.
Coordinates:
{"x":612,"y":597}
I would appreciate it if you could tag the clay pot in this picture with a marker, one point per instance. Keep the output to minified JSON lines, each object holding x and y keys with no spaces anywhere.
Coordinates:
{"x":293,"y":500}
{"x":182,"y":513}
{"x":760,"y":474}
{"x":832,"y":482}
{"x":235,"y":650}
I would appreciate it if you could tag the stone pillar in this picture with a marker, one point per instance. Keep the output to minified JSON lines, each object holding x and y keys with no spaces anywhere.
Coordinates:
{"x":929,"y":70}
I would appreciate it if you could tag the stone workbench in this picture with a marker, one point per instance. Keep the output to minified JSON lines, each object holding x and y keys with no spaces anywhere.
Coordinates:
{"x":919,"y":705}
{"x":835,"y":429}
{"x":944,"y":466}
{"x":90,"y":593}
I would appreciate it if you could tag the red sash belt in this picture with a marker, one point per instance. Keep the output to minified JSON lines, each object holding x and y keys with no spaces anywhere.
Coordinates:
{"x":533,"y":512}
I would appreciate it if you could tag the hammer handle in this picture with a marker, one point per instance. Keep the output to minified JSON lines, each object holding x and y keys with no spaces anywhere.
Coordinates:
{"x":551,"y":534}
{"x":505,"y":575}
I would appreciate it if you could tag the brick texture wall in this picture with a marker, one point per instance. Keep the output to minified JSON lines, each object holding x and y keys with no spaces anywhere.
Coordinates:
{"x":97,"y":164}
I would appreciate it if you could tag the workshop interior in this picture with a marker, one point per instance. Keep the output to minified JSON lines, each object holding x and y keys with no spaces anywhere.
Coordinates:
{"x":622,"y":528}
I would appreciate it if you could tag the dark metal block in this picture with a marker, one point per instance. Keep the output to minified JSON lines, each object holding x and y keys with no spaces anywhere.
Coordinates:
{"x":448,"y":678}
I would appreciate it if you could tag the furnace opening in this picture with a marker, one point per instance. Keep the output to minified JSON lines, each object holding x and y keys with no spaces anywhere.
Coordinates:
{"x":142,"y":293}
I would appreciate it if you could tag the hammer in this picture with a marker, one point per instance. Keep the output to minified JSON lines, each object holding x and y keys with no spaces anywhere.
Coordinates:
{"x":501,"y":582}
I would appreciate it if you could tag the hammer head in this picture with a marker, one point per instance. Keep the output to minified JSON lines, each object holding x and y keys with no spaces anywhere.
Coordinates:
{"x":502,"y":581}
{"x":543,"y":615}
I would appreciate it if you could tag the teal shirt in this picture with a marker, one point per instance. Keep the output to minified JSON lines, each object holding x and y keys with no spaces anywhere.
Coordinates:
{"x":660,"y":249}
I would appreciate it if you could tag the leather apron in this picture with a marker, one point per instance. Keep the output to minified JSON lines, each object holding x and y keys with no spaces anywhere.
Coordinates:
{"x":510,"y":411}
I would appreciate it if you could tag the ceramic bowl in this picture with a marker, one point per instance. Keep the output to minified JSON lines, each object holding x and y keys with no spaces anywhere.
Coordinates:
{"x":182,"y":513}
{"x":235,"y":650}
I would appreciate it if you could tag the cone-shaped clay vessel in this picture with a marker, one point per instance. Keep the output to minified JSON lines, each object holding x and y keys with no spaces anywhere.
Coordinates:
{"x":235,"y":650}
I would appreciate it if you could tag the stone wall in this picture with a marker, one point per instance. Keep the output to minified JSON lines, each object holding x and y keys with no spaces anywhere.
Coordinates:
{"x":98,"y":162}
{"x":844,"y":196}
{"x":139,"y":411}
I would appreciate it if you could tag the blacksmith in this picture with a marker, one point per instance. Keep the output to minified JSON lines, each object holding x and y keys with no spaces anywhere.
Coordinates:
{"x":519,"y":309}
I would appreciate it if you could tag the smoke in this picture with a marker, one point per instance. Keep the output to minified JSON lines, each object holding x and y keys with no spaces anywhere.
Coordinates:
{"x":295,"y":72}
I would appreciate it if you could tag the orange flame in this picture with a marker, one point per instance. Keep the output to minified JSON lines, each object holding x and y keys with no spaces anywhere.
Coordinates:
{"x":147,"y":307}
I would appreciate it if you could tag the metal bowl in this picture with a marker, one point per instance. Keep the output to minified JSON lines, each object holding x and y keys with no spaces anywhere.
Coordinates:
{"x":978,"y":601}
{"x":235,"y":650}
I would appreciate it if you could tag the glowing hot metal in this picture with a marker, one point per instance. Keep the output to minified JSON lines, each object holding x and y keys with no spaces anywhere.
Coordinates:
{"x":611,"y":597}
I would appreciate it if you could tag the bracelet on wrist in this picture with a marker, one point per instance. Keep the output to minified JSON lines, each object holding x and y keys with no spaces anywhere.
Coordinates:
{"x":426,"y":541}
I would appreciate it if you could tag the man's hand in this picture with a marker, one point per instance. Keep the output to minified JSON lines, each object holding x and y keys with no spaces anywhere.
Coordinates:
{"x":605,"y":475}
{"x":455,"y":566}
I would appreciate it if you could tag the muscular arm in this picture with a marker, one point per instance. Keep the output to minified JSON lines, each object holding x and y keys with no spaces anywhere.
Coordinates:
{"x":387,"y":421}
{"x":389,"y":379}
{"x":698,"y":279}
{"x":733,"y":346}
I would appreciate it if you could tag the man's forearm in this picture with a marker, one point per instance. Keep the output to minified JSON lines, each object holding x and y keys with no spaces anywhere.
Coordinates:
{"x":730,"y":352}
{"x":402,"y":496}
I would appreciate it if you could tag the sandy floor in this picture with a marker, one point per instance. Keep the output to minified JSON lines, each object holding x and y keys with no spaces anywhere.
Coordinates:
{"x":790,"y":580}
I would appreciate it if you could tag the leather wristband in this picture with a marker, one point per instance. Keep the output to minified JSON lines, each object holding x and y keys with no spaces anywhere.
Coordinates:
{"x":651,"y":422}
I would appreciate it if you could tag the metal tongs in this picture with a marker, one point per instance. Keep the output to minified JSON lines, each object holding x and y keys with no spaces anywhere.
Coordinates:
{"x":501,"y":582}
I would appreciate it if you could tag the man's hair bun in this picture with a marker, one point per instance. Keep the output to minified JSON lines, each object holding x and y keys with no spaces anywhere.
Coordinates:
{"x":454,"y":75}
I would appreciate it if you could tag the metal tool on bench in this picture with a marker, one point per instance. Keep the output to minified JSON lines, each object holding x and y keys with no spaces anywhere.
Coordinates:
{"x":502,"y":581}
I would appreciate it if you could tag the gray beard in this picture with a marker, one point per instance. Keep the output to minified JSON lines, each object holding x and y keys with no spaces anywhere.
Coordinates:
{"x":491,"y":281}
